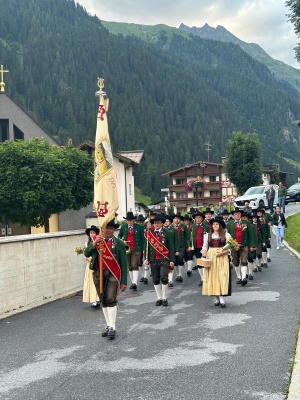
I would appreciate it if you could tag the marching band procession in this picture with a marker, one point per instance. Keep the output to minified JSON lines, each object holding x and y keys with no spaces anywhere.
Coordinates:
{"x":236,"y":241}
{"x":168,"y":248}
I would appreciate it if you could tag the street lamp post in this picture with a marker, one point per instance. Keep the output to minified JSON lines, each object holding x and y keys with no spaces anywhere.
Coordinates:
{"x":195,"y":166}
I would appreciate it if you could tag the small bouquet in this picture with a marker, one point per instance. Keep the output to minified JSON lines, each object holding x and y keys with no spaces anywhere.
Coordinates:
{"x":231,"y":244}
{"x":80,"y":249}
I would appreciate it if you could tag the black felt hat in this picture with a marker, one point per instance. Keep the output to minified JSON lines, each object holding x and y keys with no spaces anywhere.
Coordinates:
{"x":140,"y":217}
{"x":92,"y":228}
{"x":129,"y":215}
{"x":198,"y":214}
{"x":208,"y":211}
{"x":159,"y":217}
{"x":219,"y":221}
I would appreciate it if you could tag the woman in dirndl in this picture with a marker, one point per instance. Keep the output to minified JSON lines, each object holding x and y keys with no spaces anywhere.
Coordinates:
{"x":89,"y":292}
{"x":216,"y":278}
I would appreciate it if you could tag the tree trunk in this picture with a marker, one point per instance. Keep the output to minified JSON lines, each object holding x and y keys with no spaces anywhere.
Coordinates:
{"x":46,"y":219}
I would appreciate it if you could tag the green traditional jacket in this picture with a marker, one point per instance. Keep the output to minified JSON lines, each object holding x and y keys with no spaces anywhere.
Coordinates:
{"x":175,"y":237}
{"x":248,"y":233}
{"x":138,"y":234}
{"x":166,"y":238}
{"x":260,"y":236}
{"x":268,"y":219}
{"x":265,"y":225}
{"x":205,"y":228}
{"x":118,"y":251}
{"x":184,"y":240}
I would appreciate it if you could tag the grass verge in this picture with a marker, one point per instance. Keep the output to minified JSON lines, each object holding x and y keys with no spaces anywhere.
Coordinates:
{"x":291,"y":234}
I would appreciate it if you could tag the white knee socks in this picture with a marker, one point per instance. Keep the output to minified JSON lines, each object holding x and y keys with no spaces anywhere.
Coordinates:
{"x":180,"y":267}
{"x":135,"y":275}
{"x":164,"y":292}
{"x":112,"y":315}
{"x":201,"y":272}
{"x":238,"y":272}
{"x":244,"y":271}
{"x":131,"y":276}
{"x":106,"y":316}
{"x":158,"y":290}
{"x":190,"y":264}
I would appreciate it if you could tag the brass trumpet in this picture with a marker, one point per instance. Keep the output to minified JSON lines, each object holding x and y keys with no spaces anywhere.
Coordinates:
{"x":127,"y":247}
{"x":192,"y":240}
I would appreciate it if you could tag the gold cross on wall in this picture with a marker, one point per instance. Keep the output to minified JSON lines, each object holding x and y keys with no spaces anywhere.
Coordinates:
{"x":2,"y":84}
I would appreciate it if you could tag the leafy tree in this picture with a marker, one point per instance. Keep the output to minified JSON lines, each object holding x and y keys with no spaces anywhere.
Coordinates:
{"x":274,"y":175}
{"x":38,"y":180}
{"x":243,"y":162}
{"x":294,"y":17}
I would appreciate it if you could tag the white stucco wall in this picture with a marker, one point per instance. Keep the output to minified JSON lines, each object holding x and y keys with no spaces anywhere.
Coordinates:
{"x":37,"y":269}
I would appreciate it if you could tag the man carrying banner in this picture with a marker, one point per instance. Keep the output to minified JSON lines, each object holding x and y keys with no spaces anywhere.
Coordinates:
{"x":109,"y":261}
{"x":114,"y":273}
{"x":160,"y":254}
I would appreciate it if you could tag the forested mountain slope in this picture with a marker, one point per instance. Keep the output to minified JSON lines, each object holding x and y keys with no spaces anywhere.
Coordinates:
{"x":168,"y":98}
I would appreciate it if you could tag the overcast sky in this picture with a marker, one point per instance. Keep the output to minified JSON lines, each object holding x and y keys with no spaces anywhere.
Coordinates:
{"x":254,"y":21}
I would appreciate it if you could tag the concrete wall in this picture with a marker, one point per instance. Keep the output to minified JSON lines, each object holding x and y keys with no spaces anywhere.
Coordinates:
{"x":37,"y":269}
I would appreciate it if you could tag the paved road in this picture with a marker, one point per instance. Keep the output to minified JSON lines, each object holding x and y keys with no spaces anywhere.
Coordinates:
{"x":189,"y":350}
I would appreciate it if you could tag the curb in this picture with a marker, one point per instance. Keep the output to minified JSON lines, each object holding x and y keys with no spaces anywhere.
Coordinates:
{"x":294,"y":388}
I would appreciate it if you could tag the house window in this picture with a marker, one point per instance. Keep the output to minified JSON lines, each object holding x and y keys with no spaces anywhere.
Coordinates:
{"x":18,"y":134}
{"x":3,"y":130}
{"x":212,"y":179}
{"x":179,"y":181}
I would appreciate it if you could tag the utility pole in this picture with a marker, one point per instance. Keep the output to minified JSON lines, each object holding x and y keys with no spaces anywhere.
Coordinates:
{"x":208,"y":149}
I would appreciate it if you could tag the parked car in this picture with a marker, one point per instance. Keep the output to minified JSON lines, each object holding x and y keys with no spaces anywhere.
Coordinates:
{"x":256,"y":196}
{"x":293,"y":193}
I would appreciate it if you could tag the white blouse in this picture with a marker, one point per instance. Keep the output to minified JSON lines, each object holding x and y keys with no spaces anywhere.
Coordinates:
{"x":213,"y":236}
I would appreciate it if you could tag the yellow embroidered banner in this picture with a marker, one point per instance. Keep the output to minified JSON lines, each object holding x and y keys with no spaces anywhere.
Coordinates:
{"x":105,"y":187}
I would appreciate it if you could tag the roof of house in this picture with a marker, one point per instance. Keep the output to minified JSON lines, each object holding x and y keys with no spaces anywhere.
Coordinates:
{"x":134,"y":155}
{"x":189,"y":166}
{"x":120,"y":155}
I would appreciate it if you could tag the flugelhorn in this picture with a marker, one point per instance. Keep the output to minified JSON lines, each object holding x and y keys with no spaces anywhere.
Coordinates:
{"x":127,"y":247}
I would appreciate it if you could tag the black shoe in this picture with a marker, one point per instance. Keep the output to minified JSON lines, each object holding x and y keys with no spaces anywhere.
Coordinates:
{"x":244,"y":282}
{"x":104,"y":334}
{"x":165,"y":303}
{"x":223,"y":305}
{"x":217,"y":303}
{"x":111,"y":334}
{"x":179,"y":279}
{"x":194,"y":268}
{"x":259,"y":268}
{"x":145,"y":280}
{"x":238,"y":281}
{"x":159,"y":303}
{"x":189,"y":273}
{"x":254,"y":269}
{"x":96,"y":304}
{"x":200,"y":284}
{"x":250,"y":277}
{"x":133,"y":286}
{"x":142,"y":279}
{"x":266,"y":265}
{"x":269,"y":259}
{"x":170,"y":285}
